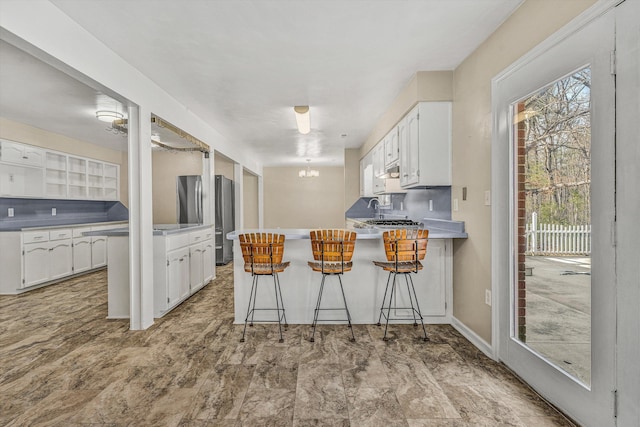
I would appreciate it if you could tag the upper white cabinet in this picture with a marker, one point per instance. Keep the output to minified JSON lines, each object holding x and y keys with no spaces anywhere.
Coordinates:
{"x":378,"y":160}
{"x":21,"y":154}
{"x":27,"y":171}
{"x":425,"y":145}
{"x":391,"y":147}
{"x":366,"y":175}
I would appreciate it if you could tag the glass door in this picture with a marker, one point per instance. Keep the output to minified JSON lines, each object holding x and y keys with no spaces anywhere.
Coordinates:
{"x":556,"y":153}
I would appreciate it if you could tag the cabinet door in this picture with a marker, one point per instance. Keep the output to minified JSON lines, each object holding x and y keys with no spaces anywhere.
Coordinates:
{"x":60,"y":259}
{"x":378,"y":160}
{"x":35,"y":257}
{"x":14,"y":152}
{"x":81,"y":254}
{"x":178,"y":275}
{"x":410,"y":149}
{"x":431,"y":288}
{"x":207,"y":261}
{"x":196,"y":268}
{"x":391,"y":149}
{"x":98,"y":251}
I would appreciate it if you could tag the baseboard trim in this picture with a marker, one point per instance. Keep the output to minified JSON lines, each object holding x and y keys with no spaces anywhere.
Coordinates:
{"x":474,"y":338}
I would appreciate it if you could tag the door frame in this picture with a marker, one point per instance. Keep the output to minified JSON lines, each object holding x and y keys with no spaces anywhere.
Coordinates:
{"x":502,"y":176}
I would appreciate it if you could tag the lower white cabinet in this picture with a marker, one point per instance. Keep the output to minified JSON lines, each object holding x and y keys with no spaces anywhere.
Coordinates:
{"x":60,"y":259}
{"x":81,"y":250}
{"x":98,"y":251}
{"x":45,"y":256}
{"x":35,"y":258}
{"x":183,"y":263}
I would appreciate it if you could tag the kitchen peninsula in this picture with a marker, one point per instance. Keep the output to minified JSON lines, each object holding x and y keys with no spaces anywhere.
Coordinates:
{"x":183,"y":263}
{"x":364,"y":286}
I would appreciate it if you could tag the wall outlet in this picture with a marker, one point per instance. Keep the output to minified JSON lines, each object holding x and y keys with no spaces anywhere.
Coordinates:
{"x":54,"y":212}
{"x":10,"y":212}
{"x":455,"y":205}
{"x":487,"y":198}
{"x":487,"y":297}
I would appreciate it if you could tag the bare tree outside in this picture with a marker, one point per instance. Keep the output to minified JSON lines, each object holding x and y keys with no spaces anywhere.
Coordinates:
{"x":553,"y":299}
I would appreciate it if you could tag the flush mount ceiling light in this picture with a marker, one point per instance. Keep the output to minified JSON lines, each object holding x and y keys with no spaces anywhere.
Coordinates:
{"x":108,"y":115}
{"x":308,"y":172}
{"x":303,"y":120}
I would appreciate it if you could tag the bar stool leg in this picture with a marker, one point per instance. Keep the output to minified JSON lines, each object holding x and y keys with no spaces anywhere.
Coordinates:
{"x":286,"y":325}
{"x":393,"y":289}
{"x":253,"y":289}
{"x":255,"y":293}
{"x":317,"y":310}
{"x":353,"y":337}
{"x":384,"y":299}
{"x":424,"y":330}
{"x":413,"y":310}
{"x":275,"y":288}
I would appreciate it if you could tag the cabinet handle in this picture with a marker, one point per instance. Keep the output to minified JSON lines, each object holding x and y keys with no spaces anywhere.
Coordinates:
{"x":37,"y":238}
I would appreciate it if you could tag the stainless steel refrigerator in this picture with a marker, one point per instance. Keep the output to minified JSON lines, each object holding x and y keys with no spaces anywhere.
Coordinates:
{"x":189,"y":199}
{"x":225,"y":219}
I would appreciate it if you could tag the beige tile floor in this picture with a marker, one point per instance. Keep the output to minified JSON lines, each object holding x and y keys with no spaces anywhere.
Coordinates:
{"x":63,"y":364}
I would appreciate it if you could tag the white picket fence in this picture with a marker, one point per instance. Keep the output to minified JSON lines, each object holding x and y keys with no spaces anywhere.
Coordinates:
{"x":556,"y":239}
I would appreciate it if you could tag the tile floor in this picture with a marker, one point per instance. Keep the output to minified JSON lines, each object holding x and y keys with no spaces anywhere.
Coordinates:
{"x":63,"y":364}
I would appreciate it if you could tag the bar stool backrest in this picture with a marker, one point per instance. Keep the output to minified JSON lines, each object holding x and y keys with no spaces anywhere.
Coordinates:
{"x":405,"y":245}
{"x":262,"y":248}
{"x":332,"y":245}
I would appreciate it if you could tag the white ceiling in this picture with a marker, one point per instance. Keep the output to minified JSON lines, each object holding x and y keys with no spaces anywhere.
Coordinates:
{"x":242,"y":65}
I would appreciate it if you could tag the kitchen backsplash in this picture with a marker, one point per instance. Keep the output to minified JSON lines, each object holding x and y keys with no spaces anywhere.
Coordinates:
{"x":38,"y":212}
{"x":434,"y":202}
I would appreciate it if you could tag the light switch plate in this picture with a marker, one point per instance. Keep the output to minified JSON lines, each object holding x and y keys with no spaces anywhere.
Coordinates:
{"x":487,"y":297}
{"x":455,"y":205}
{"x":54,"y":212}
{"x":487,"y":198}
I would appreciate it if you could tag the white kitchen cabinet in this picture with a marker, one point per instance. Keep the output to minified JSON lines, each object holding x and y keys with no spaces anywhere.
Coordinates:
{"x":208,"y":264}
{"x":60,"y":259}
{"x":366,"y":175}
{"x":98,"y":251}
{"x":35,"y":259}
{"x":196,"y":267}
{"x":55,"y":175}
{"x":183,"y":263}
{"x":391,"y":148}
{"x":81,"y":250}
{"x":378,"y":160}
{"x":425,"y":145}
{"x":21,"y":154}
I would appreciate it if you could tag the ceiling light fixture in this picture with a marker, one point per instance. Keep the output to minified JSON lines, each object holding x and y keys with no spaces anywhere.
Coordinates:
{"x":108,"y":115}
{"x":303,"y":120}
{"x":308,"y":172}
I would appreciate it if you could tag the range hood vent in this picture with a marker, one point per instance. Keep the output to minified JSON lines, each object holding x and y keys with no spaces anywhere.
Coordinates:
{"x":392,"y":171}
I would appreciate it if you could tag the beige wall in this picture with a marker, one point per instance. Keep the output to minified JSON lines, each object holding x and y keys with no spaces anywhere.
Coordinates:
{"x":534,"y":21}
{"x":167,"y":165}
{"x":223,"y":166}
{"x":423,"y":86}
{"x":250,"y":200}
{"x":293,"y":202}
{"x":351,"y":177}
{"x":20,"y":132}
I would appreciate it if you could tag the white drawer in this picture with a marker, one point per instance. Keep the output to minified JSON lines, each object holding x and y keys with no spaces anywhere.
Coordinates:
{"x":35,"y":236}
{"x":200,"y":236}
{"x":177,"y":241}
{"x":77,"y":232}
{"x":61,"y":234}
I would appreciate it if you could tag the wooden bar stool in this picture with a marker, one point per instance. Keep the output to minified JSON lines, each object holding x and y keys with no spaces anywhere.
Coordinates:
{"x":262,"y":253}
{"x":332,"y":252}
{"x":405,"y":248}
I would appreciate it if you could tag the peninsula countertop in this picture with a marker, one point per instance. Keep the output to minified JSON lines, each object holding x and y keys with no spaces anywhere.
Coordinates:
{"x":361,"y":233}
{"x":158,"y":230}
